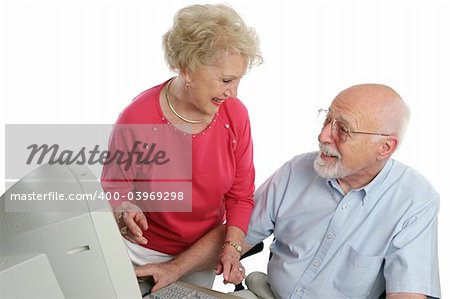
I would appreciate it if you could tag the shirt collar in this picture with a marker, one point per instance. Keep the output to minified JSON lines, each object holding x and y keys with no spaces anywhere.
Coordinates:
{"x":368,"y":189}
{"x":378,"y":180}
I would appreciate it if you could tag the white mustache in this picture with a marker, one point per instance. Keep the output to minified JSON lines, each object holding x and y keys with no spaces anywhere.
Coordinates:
{"x":329,"y":151}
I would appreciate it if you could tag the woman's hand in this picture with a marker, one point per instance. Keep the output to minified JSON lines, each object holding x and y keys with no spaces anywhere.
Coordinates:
{"x":163,"y":273}
{"x":230,"y":266}
{"x":131,"y":221}
{"x":229,"y":259}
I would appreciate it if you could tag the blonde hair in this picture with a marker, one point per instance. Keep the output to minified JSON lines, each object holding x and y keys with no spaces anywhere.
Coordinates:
{"x":199,"y":32}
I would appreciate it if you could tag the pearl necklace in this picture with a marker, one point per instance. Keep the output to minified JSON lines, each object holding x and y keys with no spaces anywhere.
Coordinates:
{"x":176,"y":113}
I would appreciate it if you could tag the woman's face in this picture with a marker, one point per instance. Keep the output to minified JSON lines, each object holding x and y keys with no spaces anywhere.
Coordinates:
{"x":213,"y":84}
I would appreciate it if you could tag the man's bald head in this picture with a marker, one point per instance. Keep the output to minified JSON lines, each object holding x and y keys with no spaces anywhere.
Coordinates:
{"x":380,"y":106}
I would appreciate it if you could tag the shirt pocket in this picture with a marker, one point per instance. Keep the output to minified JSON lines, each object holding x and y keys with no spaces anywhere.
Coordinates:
{"x":355,"y":274}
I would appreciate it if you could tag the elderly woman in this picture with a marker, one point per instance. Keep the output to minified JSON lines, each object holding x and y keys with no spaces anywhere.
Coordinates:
{"x":210,"y":48}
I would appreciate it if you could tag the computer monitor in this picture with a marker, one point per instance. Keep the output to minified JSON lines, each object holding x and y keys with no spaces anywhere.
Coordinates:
{"x":61,"y":249}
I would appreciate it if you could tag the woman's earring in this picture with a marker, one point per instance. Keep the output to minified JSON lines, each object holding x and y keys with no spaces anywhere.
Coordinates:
{"x":187,"y":85}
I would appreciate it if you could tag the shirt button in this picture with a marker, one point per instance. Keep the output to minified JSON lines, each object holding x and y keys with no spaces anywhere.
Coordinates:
{"x":344,"y":206}
{"x":299,"y":291}
{"x":316,"y":264}
{"x":330,"y":236}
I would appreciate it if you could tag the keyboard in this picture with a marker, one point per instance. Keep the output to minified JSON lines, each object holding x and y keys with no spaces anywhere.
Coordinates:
{"x":176,"y":290}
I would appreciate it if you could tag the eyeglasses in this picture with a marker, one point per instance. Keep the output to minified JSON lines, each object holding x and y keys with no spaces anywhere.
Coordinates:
{"x":338,"y":129}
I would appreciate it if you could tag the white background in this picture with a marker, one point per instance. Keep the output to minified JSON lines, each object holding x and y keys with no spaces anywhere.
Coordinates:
{"x":83,"y":62}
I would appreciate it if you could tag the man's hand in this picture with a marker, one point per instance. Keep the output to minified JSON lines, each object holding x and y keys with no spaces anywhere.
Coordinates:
{"x":131,"y":221}
{"x":405,"y":296}
{"x":163,"y":273}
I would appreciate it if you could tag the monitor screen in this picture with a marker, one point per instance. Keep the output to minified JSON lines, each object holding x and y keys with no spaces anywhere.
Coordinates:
{"x":57,"y":241}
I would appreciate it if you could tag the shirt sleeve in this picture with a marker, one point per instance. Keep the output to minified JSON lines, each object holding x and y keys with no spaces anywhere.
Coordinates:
{"x":119,"y":172}
{"x":239,"y":199}
{"x":412,"y":265}
{"x":268,"y":198}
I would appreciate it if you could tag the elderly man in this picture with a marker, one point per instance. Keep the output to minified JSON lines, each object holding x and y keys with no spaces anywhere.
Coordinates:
{"x":349,"y":221}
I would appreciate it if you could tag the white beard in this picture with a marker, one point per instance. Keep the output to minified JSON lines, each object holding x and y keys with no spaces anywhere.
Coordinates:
{"x":329,"y":170}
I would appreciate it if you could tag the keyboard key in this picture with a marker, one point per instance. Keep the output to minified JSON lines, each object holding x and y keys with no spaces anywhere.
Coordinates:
{"x":176,"y":291}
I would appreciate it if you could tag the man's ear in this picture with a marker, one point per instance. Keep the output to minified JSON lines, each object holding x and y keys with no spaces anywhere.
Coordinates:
{"x":388,"y":145}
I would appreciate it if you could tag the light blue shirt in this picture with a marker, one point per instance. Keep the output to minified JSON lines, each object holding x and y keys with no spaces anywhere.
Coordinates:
{"x":382,"y":236}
